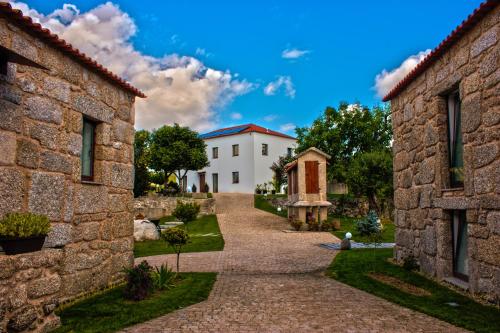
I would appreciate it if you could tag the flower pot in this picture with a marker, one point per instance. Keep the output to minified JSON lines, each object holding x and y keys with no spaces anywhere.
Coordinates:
{"x":22,"y":245}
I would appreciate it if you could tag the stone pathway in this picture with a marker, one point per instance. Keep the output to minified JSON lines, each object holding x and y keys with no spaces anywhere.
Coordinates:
{"x":272,"y":281}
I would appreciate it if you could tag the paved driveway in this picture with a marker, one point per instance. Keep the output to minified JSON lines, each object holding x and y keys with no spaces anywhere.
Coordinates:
{"x":272,"y":281}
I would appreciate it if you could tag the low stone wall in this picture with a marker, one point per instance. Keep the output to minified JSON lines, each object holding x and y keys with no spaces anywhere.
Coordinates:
{"x":156,"y":207}
{"x":350,"y":207}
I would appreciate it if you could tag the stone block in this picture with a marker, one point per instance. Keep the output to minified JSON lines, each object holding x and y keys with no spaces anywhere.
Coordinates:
{"x":10,"y":93}
{"x":87,"y":231}
{"x":12,"y":190}
{"x":46,"y":134}
{"x":123,"y":112}
{"x":401,"y":161}
{"x":24,"y":47}
{"x":122,"y":176}
{"x":91,"y":199}
{"x":429,"y":241}
{"x":55,"y":162}
{"x":8,"y":145}
{"x":488,"y":250}
{"x":426,"y":172}
{"x":482,"y":180}
{"x":118,"y":202}
{"x":427,"y":264}
{"x":22,"y":319}
{"x":123,"y":225}
{"x":45,"y":286}
{"x":18,"y":296}
{"x":404,"y":238}
{"x":60,"y":234}
{"x":44,"y":258}
{"x":75,"y":144}
{"x":493,"y":221}
{"x":46,"y":195}
{"x":10,"y":116}
{"x":471,"y":112}
{"x":485,"y":41}
{"x":485,"y":154}
{"x":7,"y":268}
{"x":68,"y":203}
{"x":43,"y":109}
{"x":456,"y":203}
{"x":123,"y":131}
{"x":28,"y":154}
{"x":77,"y":259}
{"x":56,"y":88}
{"x":92,"y":108}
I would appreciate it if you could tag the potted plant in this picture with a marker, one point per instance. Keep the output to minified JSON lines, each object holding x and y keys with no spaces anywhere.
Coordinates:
{"x":258,"y":189}
{"x":23,"y":232}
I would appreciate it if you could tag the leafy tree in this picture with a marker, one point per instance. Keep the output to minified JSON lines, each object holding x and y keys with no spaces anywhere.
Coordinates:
{"x":176,"y":149}
{"x":141,"y":162}
{"x":345,"y":132}
{"x":176,"y":237}
{"x":370,"y":175}
{"x":280,"y":176}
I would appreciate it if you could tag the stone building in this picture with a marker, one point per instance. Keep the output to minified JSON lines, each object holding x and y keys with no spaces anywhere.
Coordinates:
{"x":66,"y":151}
{"x":307,"y":197}
{"x":446,"y":119}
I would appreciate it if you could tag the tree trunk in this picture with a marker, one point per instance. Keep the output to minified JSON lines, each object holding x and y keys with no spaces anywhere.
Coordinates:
{"x":372,"y":203}
{"x":178,"y":256}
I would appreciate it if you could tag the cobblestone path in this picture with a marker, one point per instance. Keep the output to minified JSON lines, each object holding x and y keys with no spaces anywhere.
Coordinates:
{"x":272,"y":281}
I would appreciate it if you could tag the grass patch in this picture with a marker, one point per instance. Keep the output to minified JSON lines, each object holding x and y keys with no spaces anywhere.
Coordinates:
{"x":110,"y":312}
{"x":348,"y":224}
{"x":204,"y":235}
{"x":354,"y":267}
{"x":262,"y":202}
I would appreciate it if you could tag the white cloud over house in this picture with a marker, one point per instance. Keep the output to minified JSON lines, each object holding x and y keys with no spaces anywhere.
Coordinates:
{"x":386,"y":80}
{"x":179,"y":88}
{"x":236,"y":116}
{"x":287,"y":127}
{"x":270,"y":117}
{"x":281,"y":83}
{"x":294,"y":53}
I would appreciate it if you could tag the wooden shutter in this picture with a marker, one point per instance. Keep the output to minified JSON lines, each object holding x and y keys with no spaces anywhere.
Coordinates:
{"x":312,"y":179}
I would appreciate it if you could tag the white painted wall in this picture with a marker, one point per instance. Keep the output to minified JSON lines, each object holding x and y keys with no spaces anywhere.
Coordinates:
{"x":251,"y":165}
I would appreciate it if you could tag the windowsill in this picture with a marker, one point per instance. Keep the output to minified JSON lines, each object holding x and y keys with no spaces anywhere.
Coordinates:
{"x":90,"y":182}
{"x":453,"y":189}
{"x":457,"y":282}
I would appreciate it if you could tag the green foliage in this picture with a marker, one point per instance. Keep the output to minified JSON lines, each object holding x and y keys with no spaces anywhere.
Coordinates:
{"x":280,"y":176}
{"x":370,"y":175}
{"x":348,"y":224}
{"x":172,"y":188}
{"x":186,"y":212}
{"x":410,"y":263}
{"x":24,"y":225}
{"x":263,"y":202}
{"x":141,"y":162}
{"x":344,"y":132}
{"x":176,"y":149}
{"x":139,"y":282}
{"x":313,"y":225}
{"x":163,"y":277}
{"x":296,"y":224}
{"x":350,"y":267}
{"x":176,"y":238}
{"x":109,"y":312}
{"x":326,"y":225}
{"x":369,"y":225}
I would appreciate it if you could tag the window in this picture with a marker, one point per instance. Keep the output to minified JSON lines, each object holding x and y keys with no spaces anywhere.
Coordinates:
{"x":236,"y":177}
{"x":215,"y":152}
{"x":289,"y":152}
{"x":455,"y":144}
{"x":236,"y":150}
{"x":264,"y":149}
{"x":460,"y":248}
{"x":87,"y":158}
{"x":312,"y":181}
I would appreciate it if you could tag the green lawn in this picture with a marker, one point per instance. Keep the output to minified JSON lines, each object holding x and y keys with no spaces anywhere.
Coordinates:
{"x":348,"y":224}
{"x":352,"y":267}
{"x":262,"y":202}
{"x":110,"y":312}
{"x":204,"y":235}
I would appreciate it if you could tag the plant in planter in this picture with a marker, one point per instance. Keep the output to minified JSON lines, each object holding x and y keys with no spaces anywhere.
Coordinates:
{"x":296,"y":224}
{"x":258,"y":189}
{"x":23,"y":232}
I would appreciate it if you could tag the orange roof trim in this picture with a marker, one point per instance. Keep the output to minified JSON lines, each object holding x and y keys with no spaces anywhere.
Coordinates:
{"x":46,"y":35}
{"x":445,"y":45}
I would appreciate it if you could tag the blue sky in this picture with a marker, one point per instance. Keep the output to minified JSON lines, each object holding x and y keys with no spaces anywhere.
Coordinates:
{"x":347,"y":44}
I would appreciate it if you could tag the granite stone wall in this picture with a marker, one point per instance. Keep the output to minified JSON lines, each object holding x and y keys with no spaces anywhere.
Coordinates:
{"x":40,"y":143}
{"x":155,"y":207}
{"x":423,"y":200}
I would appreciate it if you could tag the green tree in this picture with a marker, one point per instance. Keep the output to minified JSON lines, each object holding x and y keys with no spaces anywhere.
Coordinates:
{"x":141,"y":162}
{"x":280,"y":176}
{"x":176,"y":237}
{"x":370,"y":175}
{"x":176,"y":149}
{"x":344,"y":132}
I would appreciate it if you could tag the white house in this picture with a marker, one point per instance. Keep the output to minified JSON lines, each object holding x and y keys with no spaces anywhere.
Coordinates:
{"x":240,"y":158}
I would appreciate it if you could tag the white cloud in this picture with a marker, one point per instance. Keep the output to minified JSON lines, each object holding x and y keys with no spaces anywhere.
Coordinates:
{"x":294,"y":53}
{"x":236,"y":116}
{"x":203,"y":52}
{"x":270,"y":117}
{"x":287,"y":127}
{"x":179,"y":88}
{"x":386,"y":80}
{"x":281,"y":81}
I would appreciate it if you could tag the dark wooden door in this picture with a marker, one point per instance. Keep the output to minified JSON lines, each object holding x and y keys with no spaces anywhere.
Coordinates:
{"x":202,"y":182}
{"x":312,"y":176}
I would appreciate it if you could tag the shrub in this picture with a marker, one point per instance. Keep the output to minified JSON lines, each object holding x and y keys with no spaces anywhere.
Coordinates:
{"x":368,"y":225}
{"x":410,"y":263}
{"x":296,"y":224}
{"x":206,"y":188}
{"x":186,"y":212}
{"x":24,"y":225}
{"x":172,"y":188}
{"x":176,"y":238}
{"x":313,"y":225}
{"x":139,"y":282}
{"x":326,"y":225}
{"x":193,"y":188}
{"x":163,"y":277}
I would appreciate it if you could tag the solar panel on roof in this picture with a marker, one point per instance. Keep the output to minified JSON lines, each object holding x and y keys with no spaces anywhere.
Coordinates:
{"x":223,"y":132}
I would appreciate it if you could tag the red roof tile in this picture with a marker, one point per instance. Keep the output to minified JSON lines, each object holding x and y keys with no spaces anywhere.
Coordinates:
{"x":46,"y":35}
{"x":445,"y":45}
{"x":247,"y":128}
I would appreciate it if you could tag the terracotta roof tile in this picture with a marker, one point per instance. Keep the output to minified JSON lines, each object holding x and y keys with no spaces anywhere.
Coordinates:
{"x":247,"y":128}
